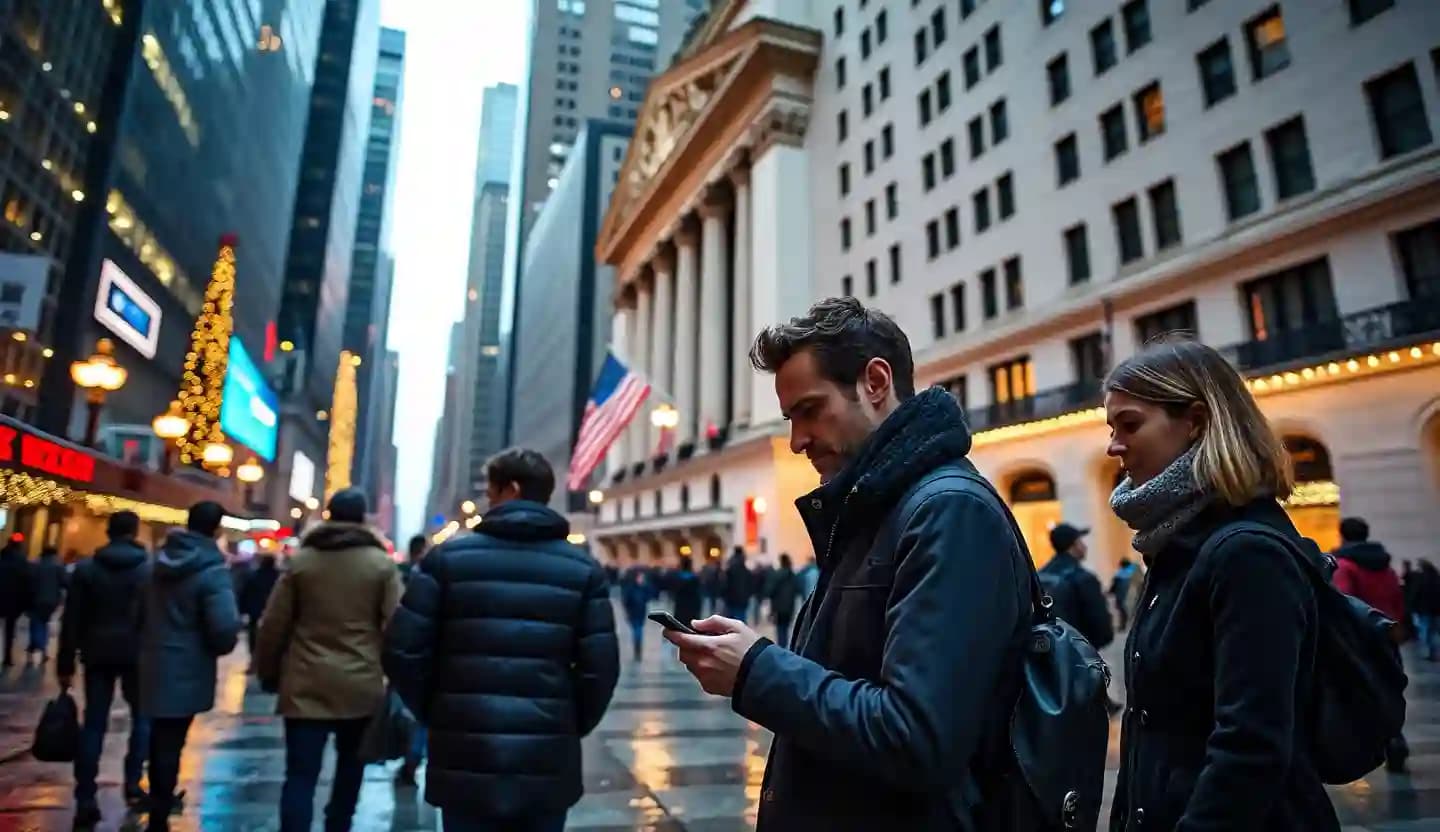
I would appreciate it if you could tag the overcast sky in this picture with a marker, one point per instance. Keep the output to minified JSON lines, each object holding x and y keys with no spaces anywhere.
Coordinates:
{"x":453,"y":51}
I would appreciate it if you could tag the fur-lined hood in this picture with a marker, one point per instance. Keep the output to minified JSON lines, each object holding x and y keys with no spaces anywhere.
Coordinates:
{"x":330,"y":536}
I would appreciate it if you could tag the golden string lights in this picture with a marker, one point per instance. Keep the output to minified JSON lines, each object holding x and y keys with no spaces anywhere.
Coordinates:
{"x":203,"y":383}
{"x":342,"y":425}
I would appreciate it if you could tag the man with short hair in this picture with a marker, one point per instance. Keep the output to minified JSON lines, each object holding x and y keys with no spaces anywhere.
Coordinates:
{"x":504,"y":646}
{"x":101,"y":621}
{"x":890,"y":712}
{"x":1074,"y":590}
{"x":190,"y":620}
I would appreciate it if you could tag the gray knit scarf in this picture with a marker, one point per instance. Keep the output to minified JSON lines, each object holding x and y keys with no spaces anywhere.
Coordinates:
{"x":1160,"y":507}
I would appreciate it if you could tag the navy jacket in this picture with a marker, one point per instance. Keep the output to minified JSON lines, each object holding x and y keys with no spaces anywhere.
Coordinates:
{"x":1079,"y":599}
{"x":189,"y":620}
{"x":46,"y":584}
{"x":1217,"y":672}
{"x":504,"y":644}
{"x":102,"y":614}
{"x":895,"y":696}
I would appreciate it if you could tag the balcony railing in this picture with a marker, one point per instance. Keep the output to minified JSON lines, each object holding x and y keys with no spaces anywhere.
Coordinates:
{"x":1042,"y":405}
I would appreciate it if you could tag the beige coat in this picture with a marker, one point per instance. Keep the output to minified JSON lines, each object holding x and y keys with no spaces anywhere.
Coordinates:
{"x":322,"y":631}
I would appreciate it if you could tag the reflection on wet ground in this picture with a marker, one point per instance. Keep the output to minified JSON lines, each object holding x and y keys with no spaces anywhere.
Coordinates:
{"x":667,"y":758}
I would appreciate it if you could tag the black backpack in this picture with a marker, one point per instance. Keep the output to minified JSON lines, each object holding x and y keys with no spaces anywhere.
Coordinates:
{"x":1357,"y":704}
{"x":57,"y":737}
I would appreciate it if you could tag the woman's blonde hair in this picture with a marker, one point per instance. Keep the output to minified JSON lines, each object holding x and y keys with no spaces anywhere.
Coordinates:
{"x":1239,"y":456}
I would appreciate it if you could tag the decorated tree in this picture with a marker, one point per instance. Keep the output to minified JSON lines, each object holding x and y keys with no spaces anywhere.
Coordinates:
{"x":203,"y":383}
{"x":342,"y":426}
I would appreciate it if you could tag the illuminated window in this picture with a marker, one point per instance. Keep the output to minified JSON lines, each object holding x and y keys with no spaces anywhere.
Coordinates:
{"x":1289,"y":300}
{"x":1012,"y":380}
{"x":1150,"y":111}
{"x":1269,"y":50}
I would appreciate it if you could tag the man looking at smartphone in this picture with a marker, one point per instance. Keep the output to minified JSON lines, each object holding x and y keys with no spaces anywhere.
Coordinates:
{"x":504,"y":646}
{"x":890,"y":711}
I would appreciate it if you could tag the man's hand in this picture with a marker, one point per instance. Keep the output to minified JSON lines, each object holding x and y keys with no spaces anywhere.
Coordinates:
{"x":714,"y":657}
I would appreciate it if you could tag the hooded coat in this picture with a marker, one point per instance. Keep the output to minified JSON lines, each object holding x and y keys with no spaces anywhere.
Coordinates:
{"x":1363,"y":571}
{"x":102,"y":614}
{"x":323,"y":627}
{"x":189,"y":620}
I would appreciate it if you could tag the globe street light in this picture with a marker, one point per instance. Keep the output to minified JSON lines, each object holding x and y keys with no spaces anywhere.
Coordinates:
{"x":170,"y":426}
{"x":98,"y":375}
{"x":249,"y":473}
{"x":216,"y":454}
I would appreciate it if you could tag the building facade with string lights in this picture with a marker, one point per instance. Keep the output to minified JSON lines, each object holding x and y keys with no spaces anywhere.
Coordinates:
{"x":1034,"y":191}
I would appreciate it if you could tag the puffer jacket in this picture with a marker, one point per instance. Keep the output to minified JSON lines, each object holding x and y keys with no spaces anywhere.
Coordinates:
{"x":47,"y":583}
{"x":504,"y":644}
{"x":102,"y":614}
{"x":323,"y":627}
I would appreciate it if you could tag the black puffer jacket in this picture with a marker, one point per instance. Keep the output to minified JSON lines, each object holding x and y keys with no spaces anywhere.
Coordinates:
{"x":892,"y":704}
{"x":1217,"y":671}
{"x":102,"y":614}
{"x":504,"y":644}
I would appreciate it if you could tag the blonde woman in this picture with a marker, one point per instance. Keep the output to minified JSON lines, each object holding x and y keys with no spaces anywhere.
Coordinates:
{"x":1219,"y":660}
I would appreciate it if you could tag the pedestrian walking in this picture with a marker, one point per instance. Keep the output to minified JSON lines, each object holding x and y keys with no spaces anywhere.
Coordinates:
{"x":504,"y":645}
{"x":414,"y":552}
{"x":784,"y":594}
{"x":102,"y":624}
{"x":713,"y":581}
{"x":887,"y":713}
{"x":809,"y":576}
{"x":739,"y":586}
{"x":1120,"y":587}
{"x":1074,"y":590}
{"x":46,"y":586}
{"x":190,"y":619}
{"x":1220,"y":659}
{"x":684,"y":587}
{"x":14,"y":594}
{"x":760,"y":586}
{"x":1425,"y":600}
{"x":319,"y":645}
{"x":637,"y":590}
{"x":254,"y":595}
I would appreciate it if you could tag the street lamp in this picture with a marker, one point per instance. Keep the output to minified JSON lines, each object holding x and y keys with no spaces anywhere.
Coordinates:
{"x":665,"y":416}
{"x":249,"y":473}
{"x":597,"y":497}
{"x":98,"y":375}
{"x":216,"y":454}
{"x":170,"y":426}
{"x":468,"y":507}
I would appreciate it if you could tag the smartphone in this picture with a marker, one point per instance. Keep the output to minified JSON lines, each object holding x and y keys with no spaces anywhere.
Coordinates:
{"x":670,"y":622}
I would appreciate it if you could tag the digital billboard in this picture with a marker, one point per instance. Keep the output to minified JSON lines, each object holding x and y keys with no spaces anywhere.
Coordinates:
{"x":127,"y":311}
{"x":249,"y":409}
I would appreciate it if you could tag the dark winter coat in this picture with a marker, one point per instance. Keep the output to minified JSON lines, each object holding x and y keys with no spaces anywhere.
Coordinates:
{"x":190,"y":620}
{"x":711,"y":579}
{"x":739,"y":582}
{"x":504,"y":644}
{"x":1218,"y":670}
{"x":1079,"y":599}
{"x":258,"y":588}
{"x":46,"y":585}
{"x":898,"y":683}
{"x":1362,"y":570}
{"x":637,"y":590}
{"x":684,"y":587}
{"x":784,"y":594}
{"x":14,"y":581}
{"x":1425,"y":599}
{"x":102,"y":614}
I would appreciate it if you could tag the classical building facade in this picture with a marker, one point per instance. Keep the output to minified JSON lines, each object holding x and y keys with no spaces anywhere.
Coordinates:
{"x":1034,"y":191}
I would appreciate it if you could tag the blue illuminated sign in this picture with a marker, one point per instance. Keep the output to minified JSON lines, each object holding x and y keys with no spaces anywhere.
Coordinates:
{"x":249,"y":409}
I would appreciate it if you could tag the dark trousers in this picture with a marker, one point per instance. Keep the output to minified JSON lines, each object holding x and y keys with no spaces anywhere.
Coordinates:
{"x":167,"y":742}
{"x":782,"y":632}
{"x":456,"y":823}
{"x":252,"y":635}
{"x":99,"y":693}
{"x":39,"y":632}
{"x":304,"y":750}
{"x":12,"y":623}
{"x":637,"y":635}
{"x":737,"y":611}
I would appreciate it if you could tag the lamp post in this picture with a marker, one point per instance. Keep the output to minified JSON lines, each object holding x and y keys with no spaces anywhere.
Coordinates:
{"x":249,"y":473}
{"x":170,"y":426}
{"x":217,"y":455}
{"x":98,"y":375}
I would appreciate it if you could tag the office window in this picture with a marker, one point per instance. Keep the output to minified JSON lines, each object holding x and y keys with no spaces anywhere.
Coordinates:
{"x":845,"y":180}
{"x":1087,"y":358}
{"x":952,"y":228}
{"x":957,"y":306}
{"x":1237,"y":175}
{"x":1419,"y":250}
{"x":1150,"y":111}
{"x":894,"y":263}
{"x":972,"y":66}
{"x":869,"y":218}
{"x":999,"y":122}
{"x":947,"y":158}
{"x":1290,"y":157}
{"x":839,"y":21}
{"x":1136,"y":15}
{"x":1012,"y":381}
{"x":864,"y":44}
{"x":922,"y":48}
{"x":932,"y":239}
{"x":1192,"y":5}
{"x":937,"y":26}
{"x":884,"y":83}
{"x":867,"y":100}
{"x":847,"y":286}
{"x":1398,"y":110}
{"x":1058,"y":71}
{"x":981,"y":201}
{"x":924,"y":103}
{"x":1269,"y":51}
{"x":1102,"y":46}
{"x":882,"y":27}
{"x":1112,"y":132}
{"x":845,"y":234}
{"x":1014,"y":287}
{"x":1127,"y":230}
{"x":1165,"y":211}
{"x":869,"y":154}
{"x":977,"y":137}
{"x":1067,"y":160}
{"x":872,"y":283}
{"x":927,"y":171}
{"x":1051,"y":10}
{"x":840,"y":73}
{"x":937,"y":315}
{"x":1005,"y":196}
{"x":887,"y":141}
{"x":994,"y":57}
{"x":842,"y":125}
{"x":1363,"y":10}
{"x":1176,"y":319}
{"x":1077,"y":254}
{"x":967,"y":8}
{"x":989,"y":298}
{"x":1217,"y":72}
{"x":1289,"y":300}
{"x":942,"y":91}
{"x":892,"y":202}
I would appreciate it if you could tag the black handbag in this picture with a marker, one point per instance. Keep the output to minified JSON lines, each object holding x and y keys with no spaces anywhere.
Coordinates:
{"x":57,"y":737}
{"x":387,"y":735}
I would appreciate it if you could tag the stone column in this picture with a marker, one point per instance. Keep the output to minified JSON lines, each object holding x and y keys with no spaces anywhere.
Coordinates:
{"x":632,"y":437}
{"x":742,"y":333}
{"x":686,"y":329}
{"x":662,"y":354}
{"x":714,"y":248}
{"x":644,"y":431}
{"x":619,"y":454}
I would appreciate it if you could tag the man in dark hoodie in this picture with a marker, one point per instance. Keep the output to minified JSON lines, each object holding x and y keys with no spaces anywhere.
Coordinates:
{"x":14,"y":595}
{"x":46,"y":585}
{"x":504,"y":645}
{"x":889,"y":710}
{"x":189,"y":621}
{"x":101,"y":622}
{"x":253,"y":596}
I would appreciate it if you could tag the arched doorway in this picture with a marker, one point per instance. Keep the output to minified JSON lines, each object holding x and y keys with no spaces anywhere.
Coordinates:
{"x":1033,"y":502}
{"x":1314,"y":507}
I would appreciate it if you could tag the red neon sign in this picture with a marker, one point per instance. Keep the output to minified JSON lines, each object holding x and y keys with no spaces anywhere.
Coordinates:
{"x":44,"y":455}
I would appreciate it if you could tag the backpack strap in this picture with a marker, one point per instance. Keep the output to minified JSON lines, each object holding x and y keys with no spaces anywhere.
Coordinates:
{"x":1313,"y":569}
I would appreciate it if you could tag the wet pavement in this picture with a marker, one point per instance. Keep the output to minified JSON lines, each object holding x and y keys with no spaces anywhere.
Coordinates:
{"x":666,"y":758}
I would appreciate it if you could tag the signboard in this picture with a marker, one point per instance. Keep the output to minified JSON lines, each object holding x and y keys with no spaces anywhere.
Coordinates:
{"x":249,"y":409}
{"x":302,"y":477}
{"x":40,"y":455}
{"x":124,"y":309}
{"x":22,"y":288}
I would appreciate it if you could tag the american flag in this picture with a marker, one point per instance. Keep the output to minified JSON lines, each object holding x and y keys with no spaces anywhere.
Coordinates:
{"x":617,"y":395}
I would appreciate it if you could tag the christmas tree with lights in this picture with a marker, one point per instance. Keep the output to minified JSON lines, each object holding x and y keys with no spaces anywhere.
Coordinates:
{"x":203,"y":383}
